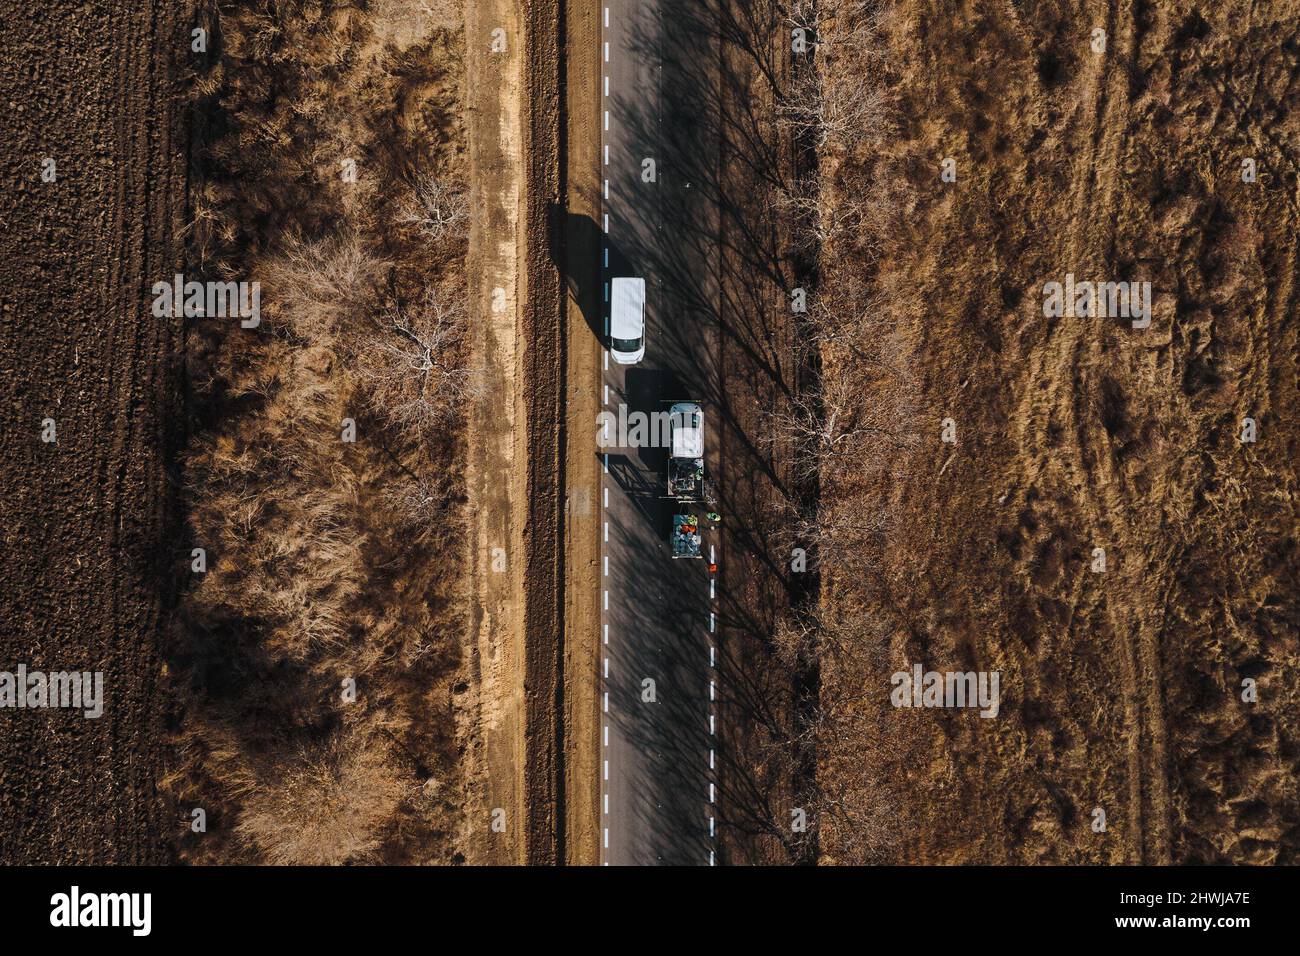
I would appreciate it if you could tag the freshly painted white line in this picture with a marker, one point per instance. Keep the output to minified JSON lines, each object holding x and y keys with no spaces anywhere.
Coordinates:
{"x":606,"y":360}
{"x":607,"y":668}
{"x":607,"y":189}
{"x":606,"y":565}
{"x":606,"y":633}
{"x":606,"y":600}
{"x":607,"y":86}
{"x":712,"y":594}
{"x":710,"y":826}
{"x":607,"y":496}
{"x":711,"y":561}
{"x":606,"y":530}
{"x":607,"y":702}
{"x":711,"y":794}
{"x":607,"y":735}
{"x":711,"y":765}
{"x":711,"y":685}
{"x":606,"y":119}
{"x":607,"y":463}
{"x":711,"y":660}
{"x":606,"y":394}
{"x":607,"y":16}
{"x":607,"y":842}
{"x":606,"y":154}
{"x":710,"y":622}
{"x":607,"y":776}
{"x":711,"y":729}
{"x":607,"y":803}
{"x":710,"y":859}
{"x":607,"y":233}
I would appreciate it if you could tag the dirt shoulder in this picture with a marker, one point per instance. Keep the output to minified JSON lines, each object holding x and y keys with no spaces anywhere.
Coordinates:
{"x":543,"y":381}
{"x":517,"y":462}
{"x":87,"y":563}
{"x":581,"y":267}
{"x":496,"y":450}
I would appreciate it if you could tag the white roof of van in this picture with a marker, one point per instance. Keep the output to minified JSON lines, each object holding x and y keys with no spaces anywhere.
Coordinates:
{"x":687,"y":421}
{"x":627,"y":308}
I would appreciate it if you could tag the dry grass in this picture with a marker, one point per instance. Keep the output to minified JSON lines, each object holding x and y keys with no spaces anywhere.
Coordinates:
{"x":329,"y":562}
{"x":1120,"y":690}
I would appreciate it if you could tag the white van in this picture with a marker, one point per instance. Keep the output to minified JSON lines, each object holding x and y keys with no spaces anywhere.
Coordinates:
{"x":627,"y":320}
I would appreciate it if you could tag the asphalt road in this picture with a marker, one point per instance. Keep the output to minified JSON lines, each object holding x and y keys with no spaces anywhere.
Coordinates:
{"x":658,"y":758}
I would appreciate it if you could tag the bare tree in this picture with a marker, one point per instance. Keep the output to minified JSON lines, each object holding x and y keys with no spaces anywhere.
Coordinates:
{"x":837,"y":106}
{"x":414,"y":367}
{"x":830,"y":423}
{"x":851,"y":323}
{"x":848,"y":25}
{"x":851,"y":798}
{"x":437,"y":207}
{"x":836,"y":100}
{"x":815,"y":219}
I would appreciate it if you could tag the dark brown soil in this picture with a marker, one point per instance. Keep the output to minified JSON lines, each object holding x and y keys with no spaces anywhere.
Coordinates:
{"x":88,"y":557}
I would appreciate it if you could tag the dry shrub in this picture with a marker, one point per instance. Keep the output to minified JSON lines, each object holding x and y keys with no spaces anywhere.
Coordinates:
{"x":318,"y":286}
{"x":327,"y":560}
{"x":327,"y":806}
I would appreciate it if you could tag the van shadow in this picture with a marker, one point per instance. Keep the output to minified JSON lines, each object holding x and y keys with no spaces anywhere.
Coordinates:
{"x":578,"y":250}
